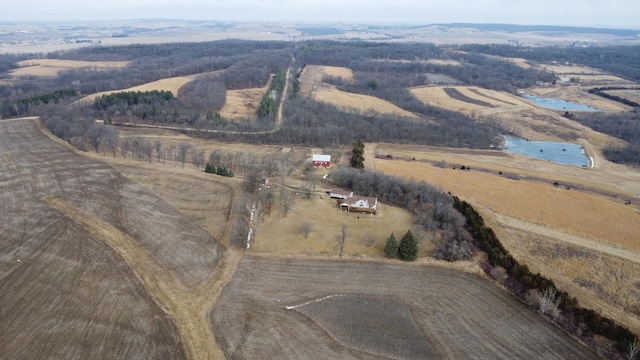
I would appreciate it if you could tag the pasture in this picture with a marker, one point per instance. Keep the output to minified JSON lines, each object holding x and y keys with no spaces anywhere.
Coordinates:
{"x":52,"y":67}
{"x":358,"y":103}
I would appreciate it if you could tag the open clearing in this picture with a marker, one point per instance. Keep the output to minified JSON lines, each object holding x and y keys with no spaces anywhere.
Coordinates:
{"x":279,"y":234}
{"x":357,"y":102}
{"x":52,"y":67}
{"x":169,"y":84}
{"x":243,"y":103}
{"x":311,"y":85}
{"x":458,"y":314}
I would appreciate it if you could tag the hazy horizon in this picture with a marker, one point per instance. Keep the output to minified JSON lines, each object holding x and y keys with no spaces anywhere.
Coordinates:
{"x":621,"y":14}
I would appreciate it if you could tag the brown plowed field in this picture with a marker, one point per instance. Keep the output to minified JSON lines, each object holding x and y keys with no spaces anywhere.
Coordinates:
{"x":94,"y":265}
{"x":460,"y":315}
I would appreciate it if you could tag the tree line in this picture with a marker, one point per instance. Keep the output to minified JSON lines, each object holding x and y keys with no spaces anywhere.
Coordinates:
{"x":602,"y":91}
{"x":574,"y":318}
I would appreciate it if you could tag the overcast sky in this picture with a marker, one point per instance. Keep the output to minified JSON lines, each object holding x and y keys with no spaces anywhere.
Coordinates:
{"x":598,"y":13}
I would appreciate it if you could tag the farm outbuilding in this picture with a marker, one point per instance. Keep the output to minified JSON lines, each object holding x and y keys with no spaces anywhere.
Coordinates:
{"x":360,"y":204}
{"x":340,"y":194}
{"x":321,"y":161}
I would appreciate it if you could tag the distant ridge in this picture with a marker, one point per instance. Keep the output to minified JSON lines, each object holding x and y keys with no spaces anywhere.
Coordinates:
{"x":546,"y":28}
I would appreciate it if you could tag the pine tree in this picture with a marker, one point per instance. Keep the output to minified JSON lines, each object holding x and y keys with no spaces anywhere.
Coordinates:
{"x":408,"y":249}
{"x":391,"y":247}
{"x":357,"y":159}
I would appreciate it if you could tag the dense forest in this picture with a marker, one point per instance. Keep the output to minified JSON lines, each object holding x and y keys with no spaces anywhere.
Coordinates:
{"x":383,"y":70}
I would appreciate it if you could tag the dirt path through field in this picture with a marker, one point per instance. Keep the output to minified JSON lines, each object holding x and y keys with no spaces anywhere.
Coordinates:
{"x":188,"y":309}
{"x":586,"y":298}
{"x":626,"y":254}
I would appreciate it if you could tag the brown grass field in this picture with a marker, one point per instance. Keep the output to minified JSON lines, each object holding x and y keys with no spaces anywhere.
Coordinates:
{"x":169,"y":84}
{"x":279,"y":234}
{"x":52,"y":67}
{"x":358,"y":103}
{"x":633,"y":95}
{"x":580,"y":95}
{"x":589,"y":215}
{"x":243,"y":103}
{"x":458,"y":314}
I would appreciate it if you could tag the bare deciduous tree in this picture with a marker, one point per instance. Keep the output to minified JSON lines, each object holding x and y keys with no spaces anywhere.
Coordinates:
{"x":549,"y":302}
{"x":197,"y":157}
{"x":634,"y":349}
{"x":283,"y":170}
{"x":341,"y":238}
{"x":369,"y":239}
{"x":305,"y":228}
{"x":286,"y":201}
{"x":182,"y":152}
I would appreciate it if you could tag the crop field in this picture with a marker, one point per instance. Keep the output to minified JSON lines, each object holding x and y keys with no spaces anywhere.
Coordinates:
{"x":65,"y":219}
{"x":576,"y":212}
{"x":52,"y":67}
{"x":362,"y":310}
{"x":357,"y":102}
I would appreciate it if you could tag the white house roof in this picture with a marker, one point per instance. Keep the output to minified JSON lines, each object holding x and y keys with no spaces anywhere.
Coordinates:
{"x":321,"y":158}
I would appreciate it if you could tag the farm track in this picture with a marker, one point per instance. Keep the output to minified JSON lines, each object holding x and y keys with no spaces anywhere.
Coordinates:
{"x":585,"y":298}
{"x":109,"y":209}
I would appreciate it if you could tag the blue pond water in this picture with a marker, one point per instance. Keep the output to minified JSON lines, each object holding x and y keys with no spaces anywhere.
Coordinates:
{"x":563,"y":153}
{"x":557,"y":104}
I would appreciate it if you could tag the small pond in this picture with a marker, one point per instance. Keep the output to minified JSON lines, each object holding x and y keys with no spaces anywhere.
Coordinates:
{"x":558,"y":104}
{"x":563,"y":153}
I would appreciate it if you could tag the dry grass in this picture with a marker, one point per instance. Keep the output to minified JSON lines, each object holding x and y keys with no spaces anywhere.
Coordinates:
{"x":52,"y":67}
{"x":357,"y":102}
{"x":589,"y":215}
{"x":443,"y":62}
{"x":579,"y":95}
{"x":613,"y":279}
{"x":279,"y":234}
{"x":338,"y":71}
{"x":243,"y":103}
{"x":570,"y":69}
{"x":633,"y":95}
{"x":169,"y":84}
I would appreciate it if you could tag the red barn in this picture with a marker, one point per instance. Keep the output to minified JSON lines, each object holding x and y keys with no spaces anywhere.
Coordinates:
{"x":321,"y":161}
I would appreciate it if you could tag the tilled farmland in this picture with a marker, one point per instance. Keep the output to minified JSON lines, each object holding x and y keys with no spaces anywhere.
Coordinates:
{"x":297,"y":309}
{"x":64,"y":291}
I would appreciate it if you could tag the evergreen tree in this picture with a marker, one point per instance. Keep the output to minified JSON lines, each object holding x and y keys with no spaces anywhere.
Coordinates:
{"x":391,"y":247}
{"x":408,"y":249}
{"x":357,"y":159}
